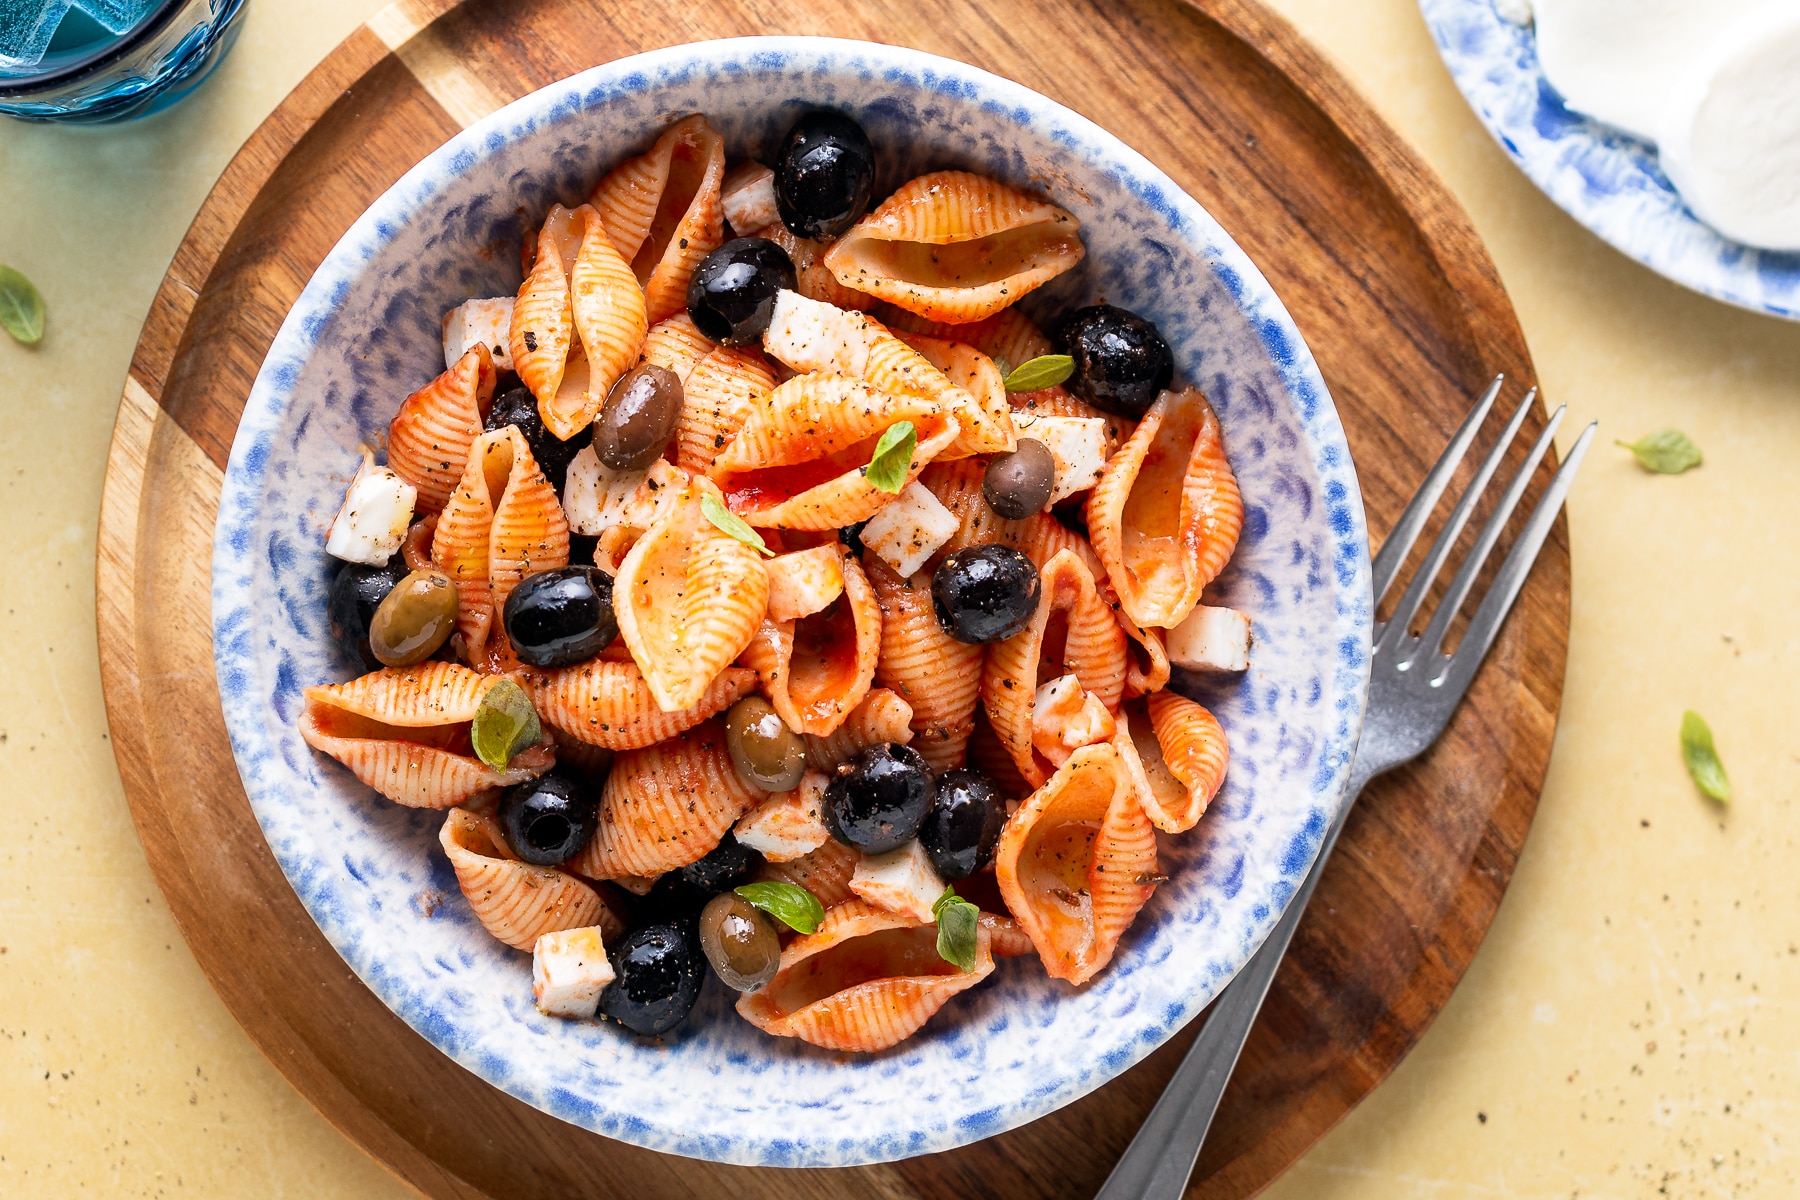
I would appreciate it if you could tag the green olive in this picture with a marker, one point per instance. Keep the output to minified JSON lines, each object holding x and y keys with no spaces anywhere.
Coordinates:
{"x":766,"y":753}
{"x":417,"y":617}
{"x":740,"y":942}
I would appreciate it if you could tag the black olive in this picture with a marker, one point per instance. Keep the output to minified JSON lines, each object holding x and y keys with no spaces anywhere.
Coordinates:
{"x":556,"y":618}
{"x":985,"y":593}
{"x":356,"y":592}
{"x":1019,"y":484}
{"x":549,"y":819}
{"x":1121,"y":361}
{"x":767,"y":754}
{"x":877,"y":801}
{"x":638,"y":418}
{"x":851,"y":536}
{"x":741,"y":943}
{"x":657,"y":979}
{"x":725,"y":866}
{"x":731,"y":297}
{"x":962,"y":829}
{"x":519,"y":407}
{"x":582,"y":547}
{"x":671,"y":900}
{"x":824,"y":175}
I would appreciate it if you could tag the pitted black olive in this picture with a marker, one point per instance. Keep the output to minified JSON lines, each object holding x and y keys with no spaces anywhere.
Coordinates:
{"x":985,"y":593}
{"x":825,"y":175}
{"x":556,"y":618}
{"x":731,"y":297}
{"x":1121,"y":361}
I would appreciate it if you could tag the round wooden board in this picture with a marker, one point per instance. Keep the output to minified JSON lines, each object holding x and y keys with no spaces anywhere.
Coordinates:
{"x":1379,"y":267}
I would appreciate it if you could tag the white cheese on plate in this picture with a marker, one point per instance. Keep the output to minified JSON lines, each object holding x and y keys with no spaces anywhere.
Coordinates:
{"x":569,"y":970}
{"x":902,"y":881}
{"x":1210,"y":639}
{"x":749,"y":197}
{"x":1064,"y":718}
{"x":909,"y":529}
{"x":787,"y":825}
{"x":483,"y":321}
{"x":1077,"y":445}
{"x":372,"y":523}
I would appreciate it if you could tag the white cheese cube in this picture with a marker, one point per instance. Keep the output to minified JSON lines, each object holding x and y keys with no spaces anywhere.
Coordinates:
{"x":1076,"y":444}
{"x":804,"y":582}
{"x":483,"y":321}
{"x":1210,"y":639}
{"x":909,"y":530}
{"x":596,"y":497}
{"x":749,"y":197}
{"x":788,"y":825}
{"x":1064,"y":718}
{"x":372,"y":523}
{"x":902,"y":881}
{"x":569,"y":970}
{"x":811,"y":335}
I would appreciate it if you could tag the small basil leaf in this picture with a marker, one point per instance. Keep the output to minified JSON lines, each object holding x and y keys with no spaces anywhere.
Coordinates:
{"x":893,"y":456}
{"x":957,"y":924}
{"x":1702,"y":760}
{"x":1666,"y":452}
{"x":730,"y":523}
{"x":1001,"y":365}
{"x":788,"y":903}
{"x":505,"y":724}
{"x":1046,"y":370}
{"x":21,"y":308}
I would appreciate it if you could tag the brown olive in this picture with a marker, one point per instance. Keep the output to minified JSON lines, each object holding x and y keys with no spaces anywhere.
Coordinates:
{"x":414,"y":620}
{"x":639,"y":417}
{"x":1019,"y":484}
{"x":740,"y":941}
{"x":767,"y":754}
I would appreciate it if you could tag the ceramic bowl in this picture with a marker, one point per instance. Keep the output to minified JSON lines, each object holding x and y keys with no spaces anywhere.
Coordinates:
{"x":366,"y":331}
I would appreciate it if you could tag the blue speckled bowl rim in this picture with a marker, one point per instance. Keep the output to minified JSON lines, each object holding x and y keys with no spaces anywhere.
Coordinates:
{"x":1304,"y":388}
{"x":1490,"y":58}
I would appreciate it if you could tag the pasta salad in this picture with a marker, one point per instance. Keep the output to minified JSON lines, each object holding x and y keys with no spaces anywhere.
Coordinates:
{"x":760,"y":592}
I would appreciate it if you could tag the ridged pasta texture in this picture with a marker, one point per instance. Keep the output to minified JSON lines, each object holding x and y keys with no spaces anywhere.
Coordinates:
{"x":609,"y":313}
{"x":881,"y":717}
{"x":866,"y":980}
{"x":956,"y":247}
{"x":666,"y":806}
{"x":1077,"y":861}
{"x":1193,"y":747}
{"x":937,"y":675}
{"x":664,"y":211}
{"x":1009,"y":334}
{"x":515,"y":901}
{"x":429,"y":438}
{"x":543,"y":323}
{"x":717,"y":398}
{"x":1166,"y":514}
{"x":816,"y":670}
{"x":987,"y":424}
{"x":675,"y":344}
{"x":813,"y":278}
{"x":609,"y":704}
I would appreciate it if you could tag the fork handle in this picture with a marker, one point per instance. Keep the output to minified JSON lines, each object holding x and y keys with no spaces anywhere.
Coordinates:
{"x":1160,"y":1158}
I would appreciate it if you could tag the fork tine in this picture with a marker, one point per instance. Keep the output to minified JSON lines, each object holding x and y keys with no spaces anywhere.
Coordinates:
{"x":1484,"y":626}
{"x":1395,"y":632}
{"x":1406,"y":531}
{"x":1433,"y":638}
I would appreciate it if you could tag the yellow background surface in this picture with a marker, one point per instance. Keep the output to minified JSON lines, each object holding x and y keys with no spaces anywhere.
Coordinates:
{"x":1628,"y":1029}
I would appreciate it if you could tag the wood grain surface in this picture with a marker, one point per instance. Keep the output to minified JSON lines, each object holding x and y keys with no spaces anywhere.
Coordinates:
{"x":1378,"y":265}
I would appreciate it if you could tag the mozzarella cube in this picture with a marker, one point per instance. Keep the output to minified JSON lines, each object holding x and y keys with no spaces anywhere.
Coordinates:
{"x":804,"y":582}
{"x":483,"y":321}
{"x":372,"y":523}
{"x":749,"y":198}
{"x":811,"y":335}
{"x":1064,"y":718}
{"x":569,"y":970}
{"x":596,"y":497}
{"x":902,"y":881}
{"x":909,"y":530}
{"x":1076,"y":444}
{"x":788,"y":825}
{"x":1210,"y":639}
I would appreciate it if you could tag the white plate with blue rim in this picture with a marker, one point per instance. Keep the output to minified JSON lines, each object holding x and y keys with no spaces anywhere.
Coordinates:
{"x":1606,"y":179}
{"x":366,"y":331}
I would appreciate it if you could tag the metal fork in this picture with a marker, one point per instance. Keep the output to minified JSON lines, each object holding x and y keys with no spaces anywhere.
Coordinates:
{"x":1413,"y":689}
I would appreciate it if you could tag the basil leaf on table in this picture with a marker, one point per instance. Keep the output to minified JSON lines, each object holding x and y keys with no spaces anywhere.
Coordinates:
{"x":505,"y":724}
{"x":732,"y":524}
{"x":1665,"y":452}
{"x":21,"y":308}
{"x":893,"y":455}
{"x":957,"y":924}
{"x":1046,"y":370}
{"x":1702,"y":760}
{"x":788,"y":903}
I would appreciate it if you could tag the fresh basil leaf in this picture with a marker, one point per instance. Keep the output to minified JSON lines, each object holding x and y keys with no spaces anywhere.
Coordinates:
{"x":1046,"y":370}
{"x":21,"y":308}
{"x":505,"y":724}
{"x":1702,"y":760}
{"x":1666,"y":452}
{"x":957,"y":924}
{"x":788,"y":903}
{"x":1001,"y":365}
{"x":893,"y":456}
{"x":731,"y":523}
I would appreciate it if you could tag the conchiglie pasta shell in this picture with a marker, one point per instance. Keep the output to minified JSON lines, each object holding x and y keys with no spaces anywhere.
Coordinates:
{"x":826,"y":872}
{"x":937,"y":675}
{"x":1008,"y":334}
{"x":432,"y":693}
{"x":665,"y":212}
{"x":989,"y":755}
{"x":881,"y":717}
{"x":543,"y":323}
{"x":608,"y":310}
{"x":867,"y":979}
{"x":1077,"y":861}
{"x":1005,"y":937}
{"x":515,"y":901}
{"x":718,"y":396}
{"x":675,"y":344}
{"x":1194,"y":749}
{"x":1058,"y":402}
{"x":608,"y":704}
{"x":957,"y":486}
{"x":429,"y":438}
{"x":1166,"y":513}
{"x":688,"y":598}
{"x":816,"y":670}
{"x":666,"y":806}
{"x":987,"y":423}
{"x":956,"y":247}
{"x":813,"y":279}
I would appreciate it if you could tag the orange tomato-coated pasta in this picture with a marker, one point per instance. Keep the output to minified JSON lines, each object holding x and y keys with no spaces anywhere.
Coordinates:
{"x":429,"y":438}
{"x":675,"y":344}
{"x":825,"y":872}
{"x":816,"y":670}
{"x":666,"y":806}
{"x":1166,"y":513}
{"x":1193,"y":747}
{"x":718,"y":396}
{"x":987,"y":423}
{"x":866,"y":980}
{"x":607,"y":306}
{"x":665,"y":212}
{"x":543,"y":323}
{"x":937,"y":675}
{"x":956,"y":247}
{"x":813,"y":278}
{"x":989,"y":755}
{"x":1008,"y":335}
{"x":608,"y":704}
{"x":881,"y":717}
{"x":515,"y":901}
